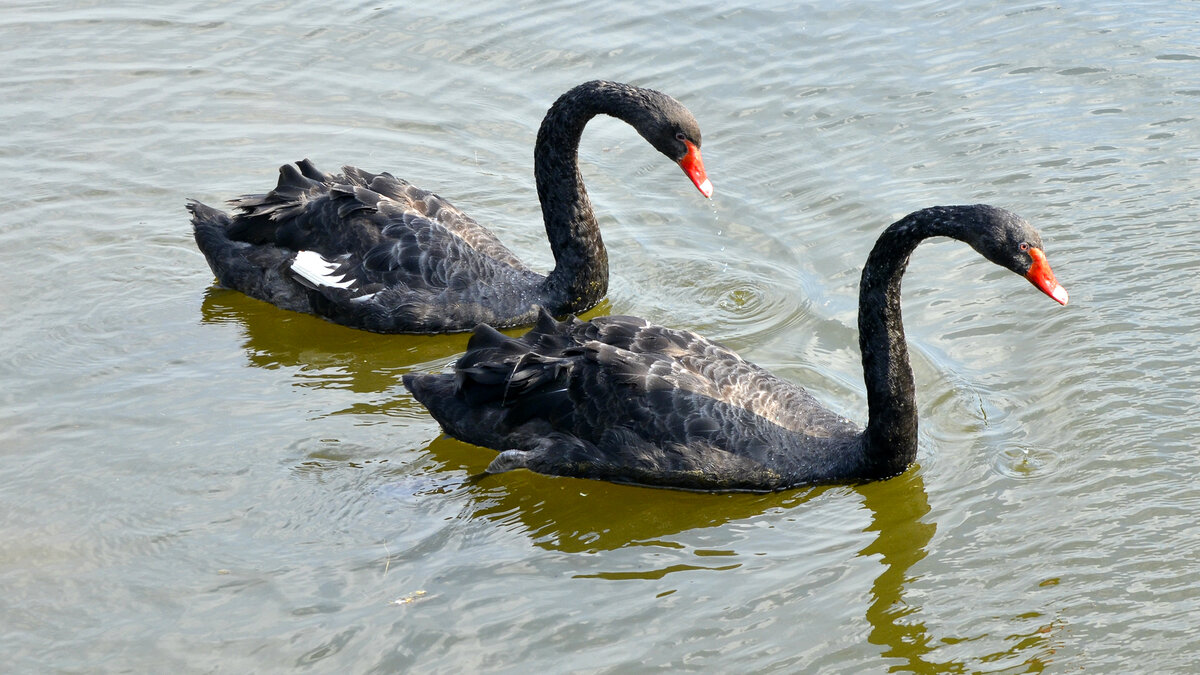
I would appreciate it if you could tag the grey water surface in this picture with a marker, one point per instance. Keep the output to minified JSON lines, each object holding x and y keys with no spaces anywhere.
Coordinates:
{"x":194,"y":481}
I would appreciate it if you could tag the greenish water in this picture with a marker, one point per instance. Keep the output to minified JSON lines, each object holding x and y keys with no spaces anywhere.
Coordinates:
{"x":193,"y":480}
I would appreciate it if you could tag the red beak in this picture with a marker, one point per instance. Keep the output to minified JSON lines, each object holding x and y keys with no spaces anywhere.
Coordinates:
{"x":1042,"y":276}
{"x":693,"y":166}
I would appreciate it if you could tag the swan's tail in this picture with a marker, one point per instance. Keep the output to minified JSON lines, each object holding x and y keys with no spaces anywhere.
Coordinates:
{"x":429,"y":388}
{"x":437,"y":392}
{"x":260,"y":271}
{"x":483,"y":425}
{"x":210,"y":227}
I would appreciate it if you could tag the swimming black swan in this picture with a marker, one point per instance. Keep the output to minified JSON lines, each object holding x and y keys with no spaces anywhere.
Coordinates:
{"x":619,"y":399}
{"x":371,"y":251}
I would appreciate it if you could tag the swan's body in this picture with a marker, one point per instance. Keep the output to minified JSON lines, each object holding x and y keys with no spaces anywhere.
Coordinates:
{"x":374,"y":252}
{"x":620,"y":399}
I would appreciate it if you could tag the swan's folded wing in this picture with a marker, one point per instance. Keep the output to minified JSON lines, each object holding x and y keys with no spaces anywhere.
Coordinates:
{"x":707,"y":367}
{"x":313,"y":210}
{"x":411,"y":253}
{"x":407,"y":198}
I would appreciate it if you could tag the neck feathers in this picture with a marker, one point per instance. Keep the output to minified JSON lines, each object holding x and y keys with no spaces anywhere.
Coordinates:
{"x":580,"y":276}
{"x":890,"y":439}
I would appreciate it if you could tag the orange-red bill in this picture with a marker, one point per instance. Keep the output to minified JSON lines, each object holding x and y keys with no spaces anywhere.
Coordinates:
{"x":693,"y":166}
{"x":1042,"y":276}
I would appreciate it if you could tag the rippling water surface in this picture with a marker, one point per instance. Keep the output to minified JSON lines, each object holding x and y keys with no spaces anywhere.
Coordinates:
{"x":193,"y":479}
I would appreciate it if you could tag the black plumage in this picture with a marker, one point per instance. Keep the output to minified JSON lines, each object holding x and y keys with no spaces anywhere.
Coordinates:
{"x":620,"y":399}
{"x":373,"y":251}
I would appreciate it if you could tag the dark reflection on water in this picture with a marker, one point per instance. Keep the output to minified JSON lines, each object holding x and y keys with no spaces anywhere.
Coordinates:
{"x":899,"y":516}
{"x":897,"y":510}
{"x":277,"y":338}
{"x":576,"y":516}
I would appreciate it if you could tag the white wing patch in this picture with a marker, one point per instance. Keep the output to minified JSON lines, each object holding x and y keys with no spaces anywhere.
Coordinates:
{"x":319,"y":271}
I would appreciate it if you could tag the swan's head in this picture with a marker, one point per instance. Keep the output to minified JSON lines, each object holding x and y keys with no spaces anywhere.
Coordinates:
{"x":670,"y":127}
{"x":1009,"y":241}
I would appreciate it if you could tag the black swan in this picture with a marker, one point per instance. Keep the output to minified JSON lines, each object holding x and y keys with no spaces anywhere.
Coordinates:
{"x":620,"y":399}
{"x":372,"y":251}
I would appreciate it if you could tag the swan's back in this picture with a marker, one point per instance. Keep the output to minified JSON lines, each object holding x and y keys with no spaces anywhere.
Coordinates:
{"x":309,"y":210}
{"x":620,"y":399}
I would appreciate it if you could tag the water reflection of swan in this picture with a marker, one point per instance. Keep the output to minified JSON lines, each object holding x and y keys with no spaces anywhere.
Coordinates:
{"x":665,"y":532}
{"x":328,"y":356}
{"x":575,"y":515}
{"x":899,"y":518}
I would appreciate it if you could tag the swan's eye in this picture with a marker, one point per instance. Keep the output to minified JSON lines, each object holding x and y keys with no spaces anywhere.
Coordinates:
{"x":1024,"y":246}
{"x":679,"y":136}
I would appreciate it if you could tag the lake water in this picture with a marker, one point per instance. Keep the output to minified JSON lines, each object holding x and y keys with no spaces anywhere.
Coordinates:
{"x":195,"y":481}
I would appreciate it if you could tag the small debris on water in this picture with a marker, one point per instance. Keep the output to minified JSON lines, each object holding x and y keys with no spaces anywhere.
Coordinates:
{"x":408,"y":599}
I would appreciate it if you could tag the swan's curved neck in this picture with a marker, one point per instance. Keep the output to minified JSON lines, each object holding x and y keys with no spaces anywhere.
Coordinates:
{"x":580,"y":276}
{"x":890,"y":439}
